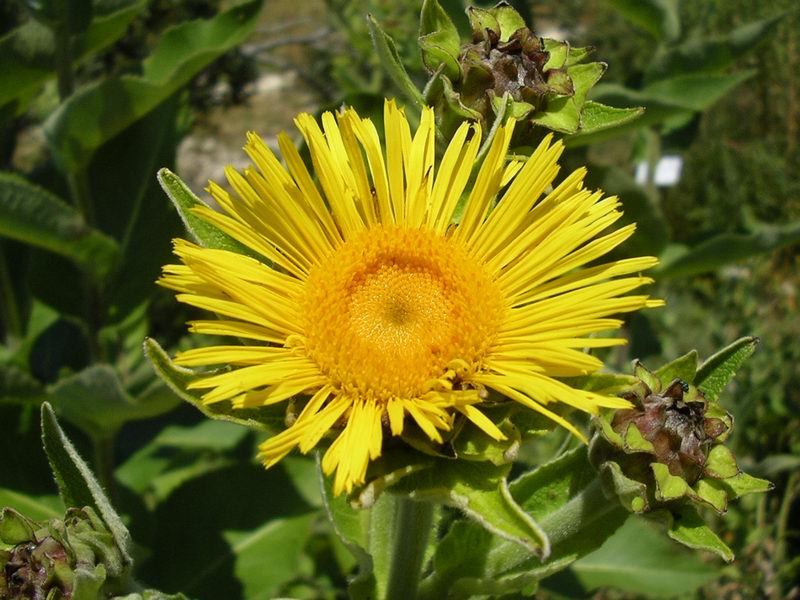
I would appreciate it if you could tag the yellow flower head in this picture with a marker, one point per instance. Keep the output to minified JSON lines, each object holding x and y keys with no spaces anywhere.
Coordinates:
{"x":374,"y":306}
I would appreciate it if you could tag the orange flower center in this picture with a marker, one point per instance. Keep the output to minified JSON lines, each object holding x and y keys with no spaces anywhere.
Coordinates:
{"x":388,"y":311}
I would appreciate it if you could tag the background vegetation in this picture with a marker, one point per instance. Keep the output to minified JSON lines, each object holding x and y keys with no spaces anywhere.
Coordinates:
{"x":85,"y":229}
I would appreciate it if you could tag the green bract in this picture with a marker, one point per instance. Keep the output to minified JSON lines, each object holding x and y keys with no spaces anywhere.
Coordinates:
{"x":667,"y":453}
{"x":506,"y":70}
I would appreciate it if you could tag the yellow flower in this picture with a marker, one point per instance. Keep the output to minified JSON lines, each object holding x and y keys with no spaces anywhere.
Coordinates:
{"x":379,"y":311}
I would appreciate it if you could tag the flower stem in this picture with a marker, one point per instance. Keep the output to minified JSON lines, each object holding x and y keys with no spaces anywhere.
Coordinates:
{"x":408,"y":534}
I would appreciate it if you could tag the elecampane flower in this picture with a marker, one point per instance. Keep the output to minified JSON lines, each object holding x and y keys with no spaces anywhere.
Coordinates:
{"x":372,"y":304}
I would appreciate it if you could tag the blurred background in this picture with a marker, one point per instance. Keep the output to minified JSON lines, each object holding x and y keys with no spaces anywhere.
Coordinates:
{"x":92,"y":104}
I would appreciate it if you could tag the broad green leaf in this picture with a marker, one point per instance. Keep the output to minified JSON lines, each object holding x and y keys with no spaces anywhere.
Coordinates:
{"x":33,"y":215}
{"x":391,"y":62}
{"x":688,"y":528}
{"x":718,"y":370}
{"x":565,"y":497}
{"x":439,"y":39}
{"x":659,"y":18}
{"x":18,"y":387}
{"x":95,"y":400}
{"x":728,"y":248}
{"x":480,"y":490}
{"x":204,"y":233}
{"x":176,"y":455}
{"x":711,"y":54}
{"x":76,"y":483}
{"x":27,"y":54}
{"x":638,"y":559}
{"x":683,"y":368}
{"x":596,"y":116}
{"x":694,"y":91}
{"x":99,"y":111}
{"x":35,"y":507}
{"x":236,"y":532}
{"x":269,"y":418}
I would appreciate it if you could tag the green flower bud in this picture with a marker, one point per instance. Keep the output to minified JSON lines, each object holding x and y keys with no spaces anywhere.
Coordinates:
{"x":669,"y":447}
{"x":506,"y":68}
{"x":74,"y":557}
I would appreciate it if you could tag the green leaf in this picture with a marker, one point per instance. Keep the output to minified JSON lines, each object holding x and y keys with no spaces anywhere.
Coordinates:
{"x":728,"y":248}
{"x":33,"y":215}
{"x":391,"y":61}
{"x":694,"y":92}
{"x":480,"y":490}
{"x":268,"y":418}
{"x":711,"y":54}
{"x":439,"y":39}
{"x":683,"y":368}
{"x":640,"y":560}
{"x":713,"y":493}
{"x":27,"y":54}
{"x":597,"y":117}
{"x":688,"y":528}
{"x":178,"y":454}
{"x":659,"y":18}
{"x":99,"y":111}
{"x":718,"y":370}
{"x":76,"y":483}
{"x":95,"y":401}
{"x":351,"y":527}
{"x":237,"y":532}
{"x":204,"y":233}
{"x":17,"y":386}
{"x":35,"y":507}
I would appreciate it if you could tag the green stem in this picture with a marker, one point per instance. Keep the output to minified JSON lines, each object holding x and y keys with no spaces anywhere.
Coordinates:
{"x":66,"y":81}
{"x":779,"y":555}
{"x":400,"y":529}
{"x":9,"y":311}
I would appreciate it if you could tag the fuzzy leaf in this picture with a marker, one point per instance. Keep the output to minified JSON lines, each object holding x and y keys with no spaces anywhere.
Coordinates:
{"x":711,"y":54}
{"x":33,"y":215}
{"x":728,"y":248}
{"x":204,"y":233}
{"x":268,"y":418}
{"x":718,"y":370}
{"x":99,"y":111}
{"x":76,"y":483}
{"x":639,"y":560}
{"x":392,"y":64}
{"x":657,"y":17}
{"x":481,"y":491}
{"x":27,"y":53}
{"x":95,"y":400}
